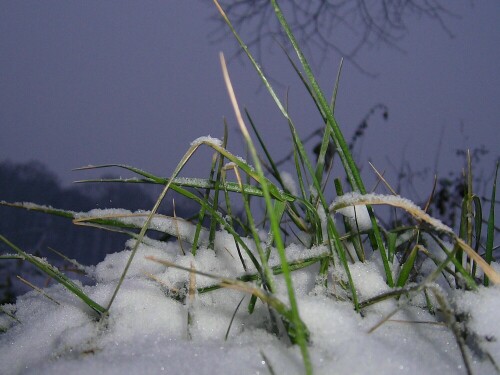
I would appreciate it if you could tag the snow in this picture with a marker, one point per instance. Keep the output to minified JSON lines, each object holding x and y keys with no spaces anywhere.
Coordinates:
{"x":358,"y":217}
{"x":354,"y":198}
{"x":147,"y":329}
{"x":289,"y":182}
{"x":148,"y":332}
{"x":207,"y":139}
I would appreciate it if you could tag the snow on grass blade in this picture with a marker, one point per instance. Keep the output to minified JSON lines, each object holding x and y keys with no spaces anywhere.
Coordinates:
{"x":116,"y":222}
{"x":9,"y":314}
{"x":40,"y":208}
{"x":78,"y":266}
{"x":396,"y":201}
{"x":104,"y":220}
{"x":196,"y":183}
{"x":57,"y":275}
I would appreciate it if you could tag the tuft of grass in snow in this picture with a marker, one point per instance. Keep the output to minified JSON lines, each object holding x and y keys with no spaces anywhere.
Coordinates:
{"x":259,"y":247}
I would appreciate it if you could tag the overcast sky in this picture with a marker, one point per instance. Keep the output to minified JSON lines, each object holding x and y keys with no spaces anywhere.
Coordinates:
{"x":134,"y":82}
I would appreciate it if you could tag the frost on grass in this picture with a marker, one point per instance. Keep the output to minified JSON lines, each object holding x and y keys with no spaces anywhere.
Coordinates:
{"x":174,"y":226}
{"x":147,"y":330}
{"x":355,"y":199}
{"x":207,"y":139}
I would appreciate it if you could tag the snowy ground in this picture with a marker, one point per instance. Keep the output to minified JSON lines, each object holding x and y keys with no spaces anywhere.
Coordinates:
{"x":147,"y":332}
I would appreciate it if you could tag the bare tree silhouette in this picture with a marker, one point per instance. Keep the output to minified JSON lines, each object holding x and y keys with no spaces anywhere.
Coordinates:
{"x":326,"y":24}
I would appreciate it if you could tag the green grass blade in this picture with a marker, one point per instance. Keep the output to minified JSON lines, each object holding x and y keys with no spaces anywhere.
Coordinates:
{"x":333,"y":237}
{"x":215,"y":205}
{"x":478,"y":221}
{"x":295,"y":320}
{"x":56,"y":275}
{"x":350,"y":167}
{"x":138,"y":171}
{"x":201,"y":215}
{"x":279,"y":208}
{"x":274,"y":168}
{"x":40,"y":208}
{"x":490,"y":234}
{"x":342,"y":147}
{"x":469,"y":281}
{"x":391,"y":245}
{"x":232,"y":318}
{"x":355,"y":238}
{"x":196,"y":183}
{"x":478,"y":224}
{"x":463,"y":230}
{"x":407,"y":267}
{"x":325,"y":142}
{"x":267,"y":276}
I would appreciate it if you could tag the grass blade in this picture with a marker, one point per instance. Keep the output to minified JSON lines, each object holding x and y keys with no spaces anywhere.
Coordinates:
{"x":407,"y":267}
{"x":299,"y":328}
{"x":56,"y":275}
{"x":416,"y":212}
{"x":490,"y":234}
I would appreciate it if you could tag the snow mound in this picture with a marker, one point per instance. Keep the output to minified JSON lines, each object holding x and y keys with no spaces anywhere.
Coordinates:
{"x":147,"y":330}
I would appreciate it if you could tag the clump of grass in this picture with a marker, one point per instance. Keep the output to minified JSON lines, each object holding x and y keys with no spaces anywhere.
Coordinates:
{"x":307,"y":213}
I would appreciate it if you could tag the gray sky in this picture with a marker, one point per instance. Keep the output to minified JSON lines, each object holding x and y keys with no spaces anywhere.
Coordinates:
{"x":93,"y":82}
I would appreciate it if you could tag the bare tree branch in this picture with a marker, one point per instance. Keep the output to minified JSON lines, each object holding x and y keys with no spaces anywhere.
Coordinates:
{"x":342,"y":26}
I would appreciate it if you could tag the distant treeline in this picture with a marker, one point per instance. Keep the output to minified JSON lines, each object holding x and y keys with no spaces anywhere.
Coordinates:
{"x":34,"y":232}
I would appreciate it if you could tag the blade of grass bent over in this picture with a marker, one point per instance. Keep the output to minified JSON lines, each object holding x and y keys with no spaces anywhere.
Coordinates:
{"x":376,"y":199}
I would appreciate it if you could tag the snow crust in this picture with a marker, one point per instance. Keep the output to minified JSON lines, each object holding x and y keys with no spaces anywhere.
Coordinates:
{"x":147,"y":330}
